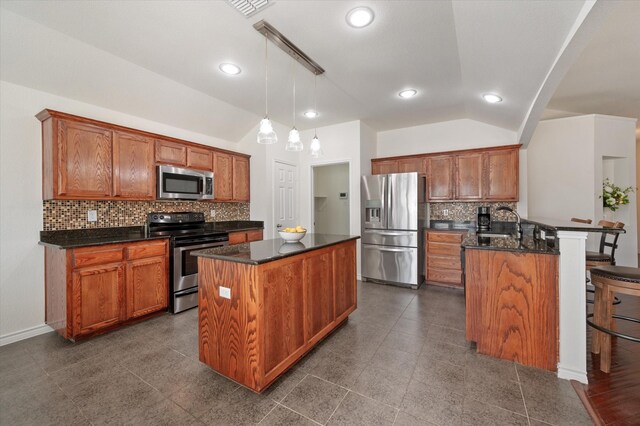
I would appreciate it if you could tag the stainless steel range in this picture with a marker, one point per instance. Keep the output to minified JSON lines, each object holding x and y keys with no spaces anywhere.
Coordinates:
{"x":187,"y":232}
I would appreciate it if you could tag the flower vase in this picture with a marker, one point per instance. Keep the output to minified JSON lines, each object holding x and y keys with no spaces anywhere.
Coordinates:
{"x":609,"y":214}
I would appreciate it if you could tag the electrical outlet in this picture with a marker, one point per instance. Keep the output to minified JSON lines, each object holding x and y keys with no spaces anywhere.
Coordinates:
{"x":213,"y":214}
{"x":445,"y":212}
{"x":225,"y":292}
{"x":92,"y":215}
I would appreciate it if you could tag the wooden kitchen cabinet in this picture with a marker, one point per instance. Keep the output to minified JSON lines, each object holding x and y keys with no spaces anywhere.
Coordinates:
{"x":320,"y":296}
{"x":134,"y":173}
{"x":240,"y":178}
{"x":92,"y":289}
{"x":501,"y":175}
{"x":199,"y":158}
{"x":169,"y":152}
{"x":383,"y":167}
{"x":245,"y":236}
{"x":345,"y":280}
{"x":412,"y":164}
{"x":468,"y":174}
{"x":223,"y":177}
{"x":442,"y":258}
{"x":440,"y":183}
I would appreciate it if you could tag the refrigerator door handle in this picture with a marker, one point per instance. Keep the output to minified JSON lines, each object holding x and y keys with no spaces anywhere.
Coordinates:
{"x":389,"y":233}
{"x":395,"y":250}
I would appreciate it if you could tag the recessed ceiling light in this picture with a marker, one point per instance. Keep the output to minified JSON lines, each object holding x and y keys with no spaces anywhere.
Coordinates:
{"x":409,"y":93}
{"x":311,"y":114}
{"x":230,"y":69}
{"x":360,"y":17}
{"x":492,"y":98}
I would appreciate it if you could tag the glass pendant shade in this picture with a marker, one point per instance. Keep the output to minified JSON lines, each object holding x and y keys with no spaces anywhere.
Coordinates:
{"x":294,"y":143}
{"x":315,"y":147}
{"x":266,"y":135}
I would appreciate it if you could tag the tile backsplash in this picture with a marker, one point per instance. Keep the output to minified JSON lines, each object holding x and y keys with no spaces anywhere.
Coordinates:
{"x":72,"y":214}
{"x":468,"y":211}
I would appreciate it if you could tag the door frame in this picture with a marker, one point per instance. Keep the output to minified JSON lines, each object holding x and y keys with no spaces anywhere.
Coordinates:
{"x":296,"y":206}
{"x":311,"y":200}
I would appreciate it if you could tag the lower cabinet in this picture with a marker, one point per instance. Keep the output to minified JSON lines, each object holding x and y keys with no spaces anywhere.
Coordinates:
{"x":442,"y":258}
{"x":91,"y":289}
{"x":245,"y":236}
{"x":318,"y":270}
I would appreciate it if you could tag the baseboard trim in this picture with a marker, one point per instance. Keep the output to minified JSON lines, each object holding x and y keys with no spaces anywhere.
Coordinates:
{"x":16,"y":336}
{"x":570,"y":374}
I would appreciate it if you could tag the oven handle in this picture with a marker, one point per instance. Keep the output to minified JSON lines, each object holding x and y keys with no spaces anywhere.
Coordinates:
{"x":199,"y":246}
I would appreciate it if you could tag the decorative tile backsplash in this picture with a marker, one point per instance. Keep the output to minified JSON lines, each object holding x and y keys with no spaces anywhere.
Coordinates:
{"x":469,"y":211}
{"x":72,"y":214}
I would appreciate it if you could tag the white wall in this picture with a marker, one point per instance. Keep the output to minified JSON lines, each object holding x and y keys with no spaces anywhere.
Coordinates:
{"x":446,"y":136}
{"x":21,"y":258}
{"x":331,"y":213}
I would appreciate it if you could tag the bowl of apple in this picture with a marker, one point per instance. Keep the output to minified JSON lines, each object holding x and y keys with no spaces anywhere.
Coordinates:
{"x":292,"y":235}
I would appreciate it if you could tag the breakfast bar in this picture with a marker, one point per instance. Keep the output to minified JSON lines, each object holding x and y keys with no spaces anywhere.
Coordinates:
{"x":263,"y":305}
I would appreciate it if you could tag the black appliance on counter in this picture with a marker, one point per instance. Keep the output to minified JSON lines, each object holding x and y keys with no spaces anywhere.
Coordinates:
{"x":187,"y":232}
{"x":484,"y":218}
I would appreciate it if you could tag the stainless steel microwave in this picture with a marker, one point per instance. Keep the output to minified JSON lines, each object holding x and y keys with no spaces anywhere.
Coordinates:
{"x":175,"y":183}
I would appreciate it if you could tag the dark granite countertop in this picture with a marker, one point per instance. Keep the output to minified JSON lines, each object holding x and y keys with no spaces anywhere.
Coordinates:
{"x":497,"y":227}
{"x":264,"y":251}
{"x":74,"y":238}
{"x":526,"y":244}
{"x":567,"y":225}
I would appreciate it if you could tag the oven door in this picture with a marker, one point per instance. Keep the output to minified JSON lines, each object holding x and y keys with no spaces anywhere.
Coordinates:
{"x":185,"y":266}
{"x":184,"y":184}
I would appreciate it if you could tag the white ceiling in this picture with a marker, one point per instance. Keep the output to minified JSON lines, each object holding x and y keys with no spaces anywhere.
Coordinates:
{"x":605,"y":79}
{"x":451,"y":51}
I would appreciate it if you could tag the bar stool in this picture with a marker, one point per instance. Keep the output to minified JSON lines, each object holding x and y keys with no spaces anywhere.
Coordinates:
{"x":609,"y":280}
{"x":600,"y":257}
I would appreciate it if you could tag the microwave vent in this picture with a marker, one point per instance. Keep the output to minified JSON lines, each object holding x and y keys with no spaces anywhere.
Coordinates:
{"x":248,"y":7}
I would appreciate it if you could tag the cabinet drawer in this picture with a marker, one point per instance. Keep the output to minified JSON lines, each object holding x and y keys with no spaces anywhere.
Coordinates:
{"x":254,"y":235}
{"x":445,"y":237}
{"x":444,"y":276}
{"x":92,"y":256}
{"x":444,"y":262}
{"x":237,"y":237}
{"x":445,"y":249}
{"x":140,"y":251}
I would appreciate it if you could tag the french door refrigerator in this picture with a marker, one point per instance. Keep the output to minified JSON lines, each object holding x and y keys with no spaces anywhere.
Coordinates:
{"x":393,"y":214}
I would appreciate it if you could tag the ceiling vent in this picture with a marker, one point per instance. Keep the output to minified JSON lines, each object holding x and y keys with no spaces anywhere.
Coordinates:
{"x":248,"y":7}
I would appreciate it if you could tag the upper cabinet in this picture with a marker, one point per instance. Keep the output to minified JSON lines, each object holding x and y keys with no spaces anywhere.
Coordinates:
{"x":89,"y":159}
{"x":486,"y":174}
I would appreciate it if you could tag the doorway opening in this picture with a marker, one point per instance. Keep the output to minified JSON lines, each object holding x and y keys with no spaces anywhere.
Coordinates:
{"x":331,"y":198}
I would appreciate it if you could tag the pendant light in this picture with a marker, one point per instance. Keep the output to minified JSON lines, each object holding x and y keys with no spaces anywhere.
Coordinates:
{"x":266,"y":134}
{"x":294,"y":143}
{"x":315,"y":147}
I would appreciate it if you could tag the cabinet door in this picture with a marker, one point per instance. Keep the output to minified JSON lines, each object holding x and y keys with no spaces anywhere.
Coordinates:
{"x":133,"y":166}
{"x":222,"y":176}
{"x":440,"y":182}
{"x":501,"y":175}
{"x":171,"y":152}
{"x":254,"y":235}
{"x":469,"y":176}
{"x":199,"y":158}
{"x":237,"y":237}
{"x":240,"y":178}
{"x":147,"y":286}
{"x":84,"y":160}
{"x":384,"y":167}
{"x":97,"y":298}
{"x":319,"y":297}
{"x":407,"y":165}
{"x":344,"y":263}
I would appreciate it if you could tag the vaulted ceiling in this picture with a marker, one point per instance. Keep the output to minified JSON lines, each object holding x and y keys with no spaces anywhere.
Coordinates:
{"x":450,"y":51}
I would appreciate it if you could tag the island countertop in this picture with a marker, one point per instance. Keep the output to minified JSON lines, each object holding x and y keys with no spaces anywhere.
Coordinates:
{"x":567,"y":225}
{"x":259,"y":252}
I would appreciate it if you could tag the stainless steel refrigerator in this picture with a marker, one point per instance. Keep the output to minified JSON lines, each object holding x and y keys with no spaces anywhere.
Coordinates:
{"x":393,"y":214}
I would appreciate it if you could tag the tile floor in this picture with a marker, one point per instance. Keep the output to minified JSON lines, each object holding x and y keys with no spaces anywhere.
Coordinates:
{"x":400,"y":359}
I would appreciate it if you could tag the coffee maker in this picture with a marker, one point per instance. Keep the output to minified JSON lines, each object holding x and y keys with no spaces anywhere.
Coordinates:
{"x":484,"y":218}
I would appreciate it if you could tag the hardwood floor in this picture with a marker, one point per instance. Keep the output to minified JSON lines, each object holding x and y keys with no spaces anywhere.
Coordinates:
{"x":616,"y":396}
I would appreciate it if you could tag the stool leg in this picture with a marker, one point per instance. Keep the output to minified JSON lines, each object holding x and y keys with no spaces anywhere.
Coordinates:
{"x":605,"y":338}
{"x":597,"y":319}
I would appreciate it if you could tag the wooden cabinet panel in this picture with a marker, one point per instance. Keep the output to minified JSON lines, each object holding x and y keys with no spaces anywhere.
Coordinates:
{"x":445,"y":237}
{"x":469,"y":176}
{"x":254,"y":235}
{"x":146,"y":249}
{"x":443,"y":262}
{"x":170,"y":152}
{"x":501,"y":175}
{"x":345,"y":280}
{"x":84,"y":161}
{"x":384,"y":167}
{"x":199,"y":158}
{"x":147,"y":286}
{"x":440,"y":185}
{"x":240,"y":178}
{"x":442,"y":258}
{"x":407,"y":165}
{"x":443,"y":249}
{"x":447,"y":276}
{"x":133,"y":166}
{"x":223,"y":176}
{"x":283,"y":296}
{"x":237,"y":237}
{"x":319,"y":294}
{"x":512,"y":306}
{"x":97,"y":296}
{"x":97,"y":255}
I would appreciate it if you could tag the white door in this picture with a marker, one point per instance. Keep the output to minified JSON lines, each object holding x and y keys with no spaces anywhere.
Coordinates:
{"x":285,"y":195}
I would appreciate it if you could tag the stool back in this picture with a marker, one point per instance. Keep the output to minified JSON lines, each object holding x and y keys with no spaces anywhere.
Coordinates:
{"x":577,"y":219}
{"x":613,"y":244}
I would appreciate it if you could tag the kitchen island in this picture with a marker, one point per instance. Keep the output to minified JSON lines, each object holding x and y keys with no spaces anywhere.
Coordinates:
{"x":263,"y":305}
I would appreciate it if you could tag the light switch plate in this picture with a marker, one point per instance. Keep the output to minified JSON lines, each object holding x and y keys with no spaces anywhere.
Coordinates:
{"x":92,"y":215}
{"x":445,"y":212}
{"x":225,"y":292}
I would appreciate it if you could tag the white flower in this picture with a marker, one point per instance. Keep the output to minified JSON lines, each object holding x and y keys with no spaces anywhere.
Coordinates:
{"x":611,"y":201}
{"x":608,"y":189}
